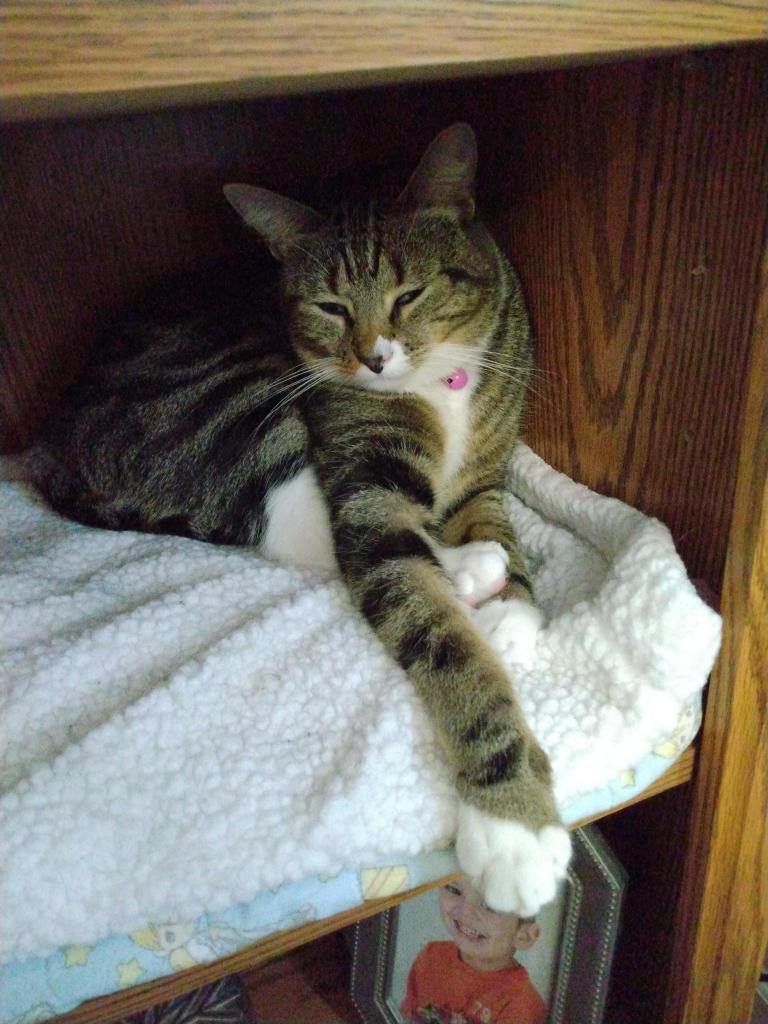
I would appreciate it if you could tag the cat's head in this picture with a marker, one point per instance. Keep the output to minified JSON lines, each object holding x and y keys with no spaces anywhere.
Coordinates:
{"x":383,"y":295}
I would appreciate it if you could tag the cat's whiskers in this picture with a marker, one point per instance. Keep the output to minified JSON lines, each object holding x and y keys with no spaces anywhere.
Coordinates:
{"x":516,"y":381}
{"x":444,"y":363}
{"x":298,"y":388}
{"x":499,"y":364}
{"x":293,"y":371}
{"x":306,"y":374}
{"x":526,"y":384}
{"x":290,"y":378}
{"x":535,"y":372}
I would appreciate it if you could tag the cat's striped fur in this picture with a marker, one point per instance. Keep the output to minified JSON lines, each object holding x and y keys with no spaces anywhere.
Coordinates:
{"x":196,"y":421}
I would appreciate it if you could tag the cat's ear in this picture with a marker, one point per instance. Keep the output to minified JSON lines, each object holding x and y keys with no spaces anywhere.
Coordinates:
{"x":445,"y":176}
{"x":278,"y":220}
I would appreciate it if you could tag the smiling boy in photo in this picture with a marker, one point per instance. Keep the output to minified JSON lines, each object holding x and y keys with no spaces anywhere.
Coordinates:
{"x":474,"y":978}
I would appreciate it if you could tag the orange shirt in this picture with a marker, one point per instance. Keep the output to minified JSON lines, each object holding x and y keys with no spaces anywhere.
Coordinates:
{"x":442,"y":989}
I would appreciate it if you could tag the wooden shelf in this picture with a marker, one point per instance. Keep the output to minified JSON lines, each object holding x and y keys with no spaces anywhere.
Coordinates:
{"x":91,"y":56}
{"x":633,"y":198}
{"x":120,"y":1004}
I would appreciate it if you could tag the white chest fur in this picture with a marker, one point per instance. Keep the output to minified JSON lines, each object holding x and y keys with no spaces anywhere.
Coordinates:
{"x":298,"y":530}
{"x":454,"y":409}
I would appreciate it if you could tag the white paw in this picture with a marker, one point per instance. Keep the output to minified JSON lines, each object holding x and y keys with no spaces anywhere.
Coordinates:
{"x":478,"y":569}
{"x":511,"y":627}
{"x":516,"y":869}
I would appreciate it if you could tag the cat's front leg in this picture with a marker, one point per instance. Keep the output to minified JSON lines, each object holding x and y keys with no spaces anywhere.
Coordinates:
{"x":517,"y":869}
{"x":509,"y":839}
{"x":516,"y":857}
{"x":478,"y":522}
{"x":478,"y":570}
{"x":511,"y":627}
{"x":483,"y":559}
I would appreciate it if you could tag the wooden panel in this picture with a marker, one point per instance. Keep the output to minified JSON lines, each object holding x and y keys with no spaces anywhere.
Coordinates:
{"x":120,"y":1004}
{"x":722,"y":925}
{"x":676,"y":775}
{"x":635,"y":204}
{"x":112,"y":1007}
{"x":636,"y":209}
{"x":90,"y":55}
{"x":98,"y":208}
{"x":650,"y":841}
{"x":308,"y":986}
{"x":633,"y":199}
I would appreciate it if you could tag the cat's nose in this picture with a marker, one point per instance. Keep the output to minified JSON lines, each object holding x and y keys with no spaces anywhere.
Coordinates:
{"x":375,"y":363}
{"x":383,"y":348}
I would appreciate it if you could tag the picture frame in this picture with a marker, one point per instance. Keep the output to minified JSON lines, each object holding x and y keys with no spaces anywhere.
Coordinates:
{"x":570,"y":969}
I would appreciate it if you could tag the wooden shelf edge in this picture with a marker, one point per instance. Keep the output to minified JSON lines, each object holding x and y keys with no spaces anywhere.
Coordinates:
{"x":721,"y":926}
{"x":58,"y":104}
{"x":90,"y":56}
{"x":112,"y":1007}
{"x":678,"y":773}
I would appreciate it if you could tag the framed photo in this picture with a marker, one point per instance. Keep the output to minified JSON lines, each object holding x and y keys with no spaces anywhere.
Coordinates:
{"x":444,"y":958}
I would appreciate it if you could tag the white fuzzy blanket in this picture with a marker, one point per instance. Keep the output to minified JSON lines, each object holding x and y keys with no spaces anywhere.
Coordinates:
{"x":185,"y":725}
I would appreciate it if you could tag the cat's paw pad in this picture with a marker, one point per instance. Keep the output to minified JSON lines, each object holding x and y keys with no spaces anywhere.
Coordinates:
{"x":511,"y":628}
{"x":478,"y":569}
{"x":516,"y":869}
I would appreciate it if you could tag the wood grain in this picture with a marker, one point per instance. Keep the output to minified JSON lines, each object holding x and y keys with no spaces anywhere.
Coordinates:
{"x":633,"y":198}
{"x":120,"y":1004}
{"x":649,"y":839}
{"x":635,"y":204}
{"x":676,"y":775}
{"x":113,"y":1007}
{"x":310,"y":985}
{"x":624,"y":211}
{"x":89,"y":55}
{"x":722,"y":925}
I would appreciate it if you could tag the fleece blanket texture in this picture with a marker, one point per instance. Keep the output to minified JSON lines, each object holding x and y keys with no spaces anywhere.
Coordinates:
{"x":185,"y":725}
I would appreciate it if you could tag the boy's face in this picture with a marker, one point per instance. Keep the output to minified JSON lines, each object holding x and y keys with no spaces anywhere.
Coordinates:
{"x":480,"y":932}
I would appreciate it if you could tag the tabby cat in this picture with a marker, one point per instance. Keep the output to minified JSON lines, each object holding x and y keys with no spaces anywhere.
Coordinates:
{"x":356,"y":411}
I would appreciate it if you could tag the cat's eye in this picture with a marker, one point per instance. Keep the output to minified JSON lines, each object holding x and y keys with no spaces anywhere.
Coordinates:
{"x":333,"y":308}
{"x":407,"y":298}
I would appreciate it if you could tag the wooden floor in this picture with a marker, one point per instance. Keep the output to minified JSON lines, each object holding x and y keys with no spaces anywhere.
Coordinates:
{"x":307,"y":986}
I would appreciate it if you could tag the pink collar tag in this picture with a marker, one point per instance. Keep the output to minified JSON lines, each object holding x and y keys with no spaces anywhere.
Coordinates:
{"x":457,"y":380}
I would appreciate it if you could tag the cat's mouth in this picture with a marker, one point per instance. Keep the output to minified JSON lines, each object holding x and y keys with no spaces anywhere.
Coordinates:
{"x":388,"y":379}
{"x":390,"y":368}
{"x":386,"y":369}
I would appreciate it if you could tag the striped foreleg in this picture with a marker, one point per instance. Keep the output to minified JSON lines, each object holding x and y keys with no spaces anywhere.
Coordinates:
{"x":510,"y":839}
